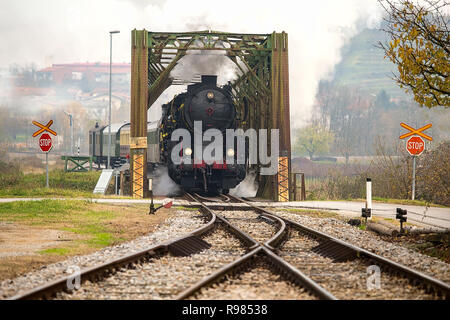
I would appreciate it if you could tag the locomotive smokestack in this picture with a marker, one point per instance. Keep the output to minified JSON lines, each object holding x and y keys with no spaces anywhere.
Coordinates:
{"x":209,"y":79}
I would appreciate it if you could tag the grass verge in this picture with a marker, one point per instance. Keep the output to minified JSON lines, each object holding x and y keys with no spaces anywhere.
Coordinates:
{"x":57,"y":229}
{"x":312,"y":213}
{"x":403,"y":202}
{"x":64,"y":184}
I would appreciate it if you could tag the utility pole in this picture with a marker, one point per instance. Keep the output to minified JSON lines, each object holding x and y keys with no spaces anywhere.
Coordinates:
{"x":71,"y":132}
{"x":110,"y":82}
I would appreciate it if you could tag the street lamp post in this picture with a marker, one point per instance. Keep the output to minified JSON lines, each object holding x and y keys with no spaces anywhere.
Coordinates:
{"x":110,"y":81}
{"x":71,"y":132}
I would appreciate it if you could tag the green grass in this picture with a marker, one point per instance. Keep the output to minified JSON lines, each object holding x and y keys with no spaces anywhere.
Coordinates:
{"x":55,"y":251}
{"x":43,"y":192}
{"x":62,"y":184}
{"x":185,"y":208}
{"x":98,"y":235}
{"x":67,"y":215}
{"x":313,"y":213}
{"x":45,"y":211}
{"x":402,"y":201}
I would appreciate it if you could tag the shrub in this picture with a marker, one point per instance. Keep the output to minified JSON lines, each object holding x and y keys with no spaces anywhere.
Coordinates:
{"x":9,"y":174}
{"x":433,"y":175}
{"x":391,"y":178}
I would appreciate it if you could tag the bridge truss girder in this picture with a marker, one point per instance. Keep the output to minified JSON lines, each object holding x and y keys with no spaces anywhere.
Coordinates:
{"x":263,"y":80}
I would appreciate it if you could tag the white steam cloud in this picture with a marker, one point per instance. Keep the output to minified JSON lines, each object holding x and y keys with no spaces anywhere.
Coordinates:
{"x":247,"y":188}
{"x":58,"y":31}
{"x":163,"y":185}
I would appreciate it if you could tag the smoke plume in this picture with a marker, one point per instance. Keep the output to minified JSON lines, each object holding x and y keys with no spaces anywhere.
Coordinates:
{"x":247,"y":188}
{"x":163,"y":185}
{"x":56,"y":31}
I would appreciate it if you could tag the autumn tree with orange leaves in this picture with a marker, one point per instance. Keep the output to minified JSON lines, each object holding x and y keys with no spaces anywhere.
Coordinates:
{"x":420,"y":47}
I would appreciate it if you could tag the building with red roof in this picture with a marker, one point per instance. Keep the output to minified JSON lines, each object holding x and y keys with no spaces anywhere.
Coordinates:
{"x":95,"y":74}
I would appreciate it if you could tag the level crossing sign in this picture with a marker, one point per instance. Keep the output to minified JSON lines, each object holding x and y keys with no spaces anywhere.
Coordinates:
{"x":43,"y":128}
{"x":415,"y":146}
{"x":418,"y":132}
{"x":45,"y":141}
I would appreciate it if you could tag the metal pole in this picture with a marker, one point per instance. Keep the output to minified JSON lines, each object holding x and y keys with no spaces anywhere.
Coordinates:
{"x":117,"y":183}
{"x":46,"y":160}
{"x":71,"y":131}
{"x":71,"y":134}
{"x":303,"y":188}
{"x":110,"y":83}
{"x":414,"y":179}
{"x":109,"y":116}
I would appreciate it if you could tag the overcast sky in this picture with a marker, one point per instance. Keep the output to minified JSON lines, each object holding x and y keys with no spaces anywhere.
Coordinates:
{"x":58,"y":31}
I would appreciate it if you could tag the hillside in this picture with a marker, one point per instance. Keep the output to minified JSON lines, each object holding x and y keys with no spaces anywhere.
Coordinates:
{"x":363,"y":65}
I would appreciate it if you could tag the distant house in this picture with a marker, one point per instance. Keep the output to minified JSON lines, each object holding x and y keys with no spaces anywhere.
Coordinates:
{"x":89,"y":75}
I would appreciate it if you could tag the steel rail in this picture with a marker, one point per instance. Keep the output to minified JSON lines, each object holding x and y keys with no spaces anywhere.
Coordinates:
{"x":265,"y":249}
{"x":272,"y":243}
{"x":429,"y":282}
{"x":292,"y":273}
{"x":206,"y":199}
{"x":227,"y":198}
{"x":216,"y":276}
{"x":241,"y":235}
{"x":97,"y":272}
{"x":278,"y":237}
{"x":299,"y":277}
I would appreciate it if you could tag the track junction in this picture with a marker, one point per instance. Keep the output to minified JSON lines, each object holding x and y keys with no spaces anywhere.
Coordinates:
{"x":243,"y":247}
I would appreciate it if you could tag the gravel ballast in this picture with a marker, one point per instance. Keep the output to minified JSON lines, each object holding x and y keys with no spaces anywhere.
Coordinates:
{"x":259,"y":283}
{"x":181,"y":224}
{"x":372,"y":242}
{"x":251,"y":223}
{"x":167,"y":276}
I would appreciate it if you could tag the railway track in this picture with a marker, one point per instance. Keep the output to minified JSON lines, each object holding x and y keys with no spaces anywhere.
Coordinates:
{"x":165,"y":276}
{"x":241,"y":254}
{"x":182,"y":246}
{"x":342,"y":268}
{"x":261,"y":258}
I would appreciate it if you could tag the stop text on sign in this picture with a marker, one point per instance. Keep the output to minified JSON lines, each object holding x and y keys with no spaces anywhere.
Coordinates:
{"x":45,"y":142}
{"x":415,"y":146}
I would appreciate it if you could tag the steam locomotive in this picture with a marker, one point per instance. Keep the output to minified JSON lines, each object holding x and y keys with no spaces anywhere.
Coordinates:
{"x":205,"y":102}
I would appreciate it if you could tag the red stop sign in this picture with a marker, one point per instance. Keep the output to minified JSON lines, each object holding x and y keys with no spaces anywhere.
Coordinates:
{"x":45,"y":142}
{"x":415,"y":146}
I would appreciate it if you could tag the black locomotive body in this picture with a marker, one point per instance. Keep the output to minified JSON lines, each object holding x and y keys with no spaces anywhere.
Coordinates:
{"x":204,"y":102}
{"x":213,"y":107}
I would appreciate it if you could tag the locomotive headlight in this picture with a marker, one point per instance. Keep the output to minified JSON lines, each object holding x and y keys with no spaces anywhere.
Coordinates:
{"x":188,"y":151}
{"x":230,"y":152}
{"x":210,"y":95}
